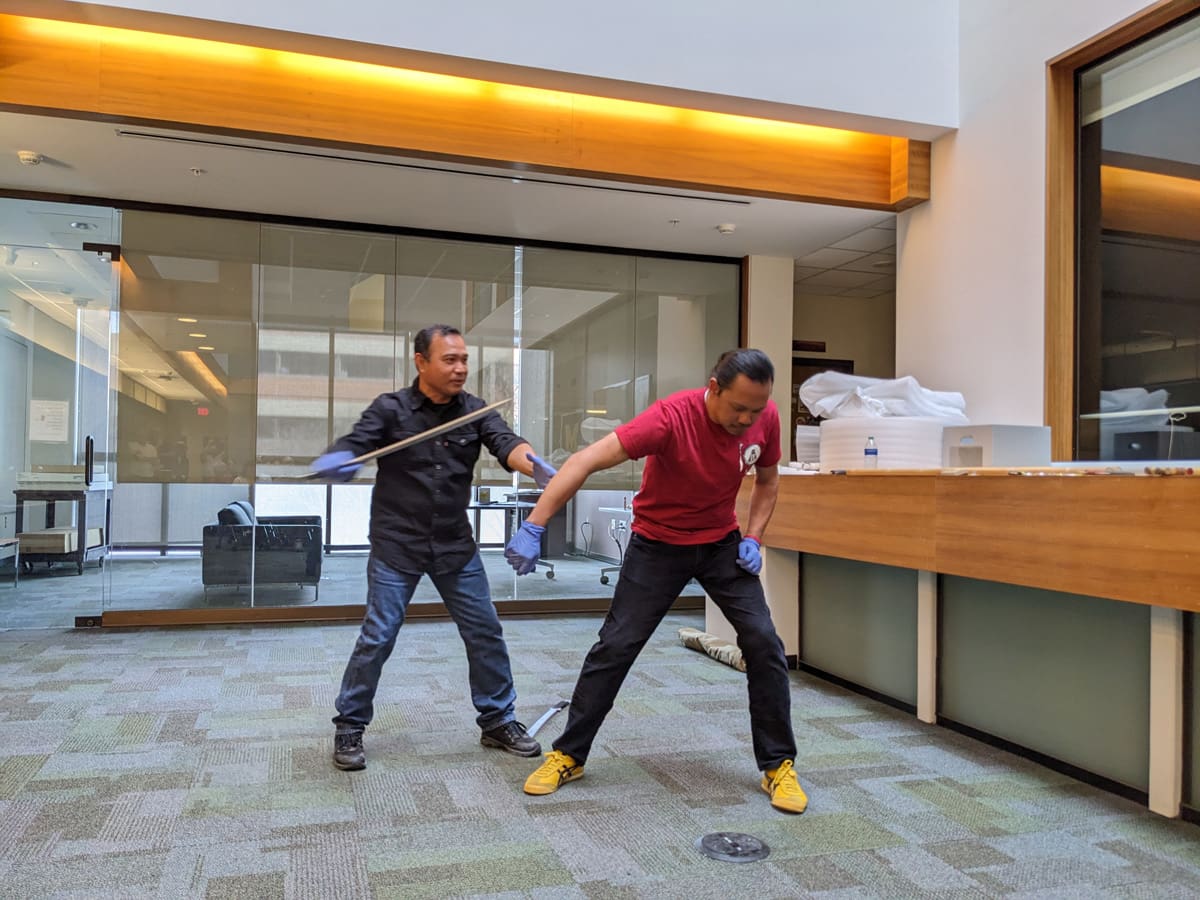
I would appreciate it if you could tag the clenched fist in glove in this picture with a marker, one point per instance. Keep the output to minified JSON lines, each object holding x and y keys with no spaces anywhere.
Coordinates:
{"x":525,"y":547}
{"x":749,"y":555}
{"x":332,"y":466}
{"x":542,"y":470}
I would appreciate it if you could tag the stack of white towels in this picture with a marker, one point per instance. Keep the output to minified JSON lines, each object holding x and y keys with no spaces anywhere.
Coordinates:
{"x":905,"y":419}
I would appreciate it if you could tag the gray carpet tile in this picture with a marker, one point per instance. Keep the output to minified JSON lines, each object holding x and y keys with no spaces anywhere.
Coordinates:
{"x":194,"y":763}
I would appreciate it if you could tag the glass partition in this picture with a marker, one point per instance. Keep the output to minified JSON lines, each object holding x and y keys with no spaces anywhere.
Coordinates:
{"x":247,"y":348}
{"x":56,"y":461}
{"x":1138,"y":360}
{"x":186,"y":409}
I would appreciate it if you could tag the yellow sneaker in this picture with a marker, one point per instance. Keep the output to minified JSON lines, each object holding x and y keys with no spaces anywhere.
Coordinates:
{"x":783,"y":788}
{"x":556,"y":771}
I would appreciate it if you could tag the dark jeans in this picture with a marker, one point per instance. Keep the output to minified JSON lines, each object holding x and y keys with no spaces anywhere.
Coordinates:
{"x":469,"y":602}
{"x":652,"y":576}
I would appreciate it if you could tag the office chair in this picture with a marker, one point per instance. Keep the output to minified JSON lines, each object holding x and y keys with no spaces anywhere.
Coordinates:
{"x":619,"y":524}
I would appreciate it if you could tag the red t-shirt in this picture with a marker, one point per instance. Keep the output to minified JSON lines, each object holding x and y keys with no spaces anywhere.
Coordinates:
{"x":694,"y":467}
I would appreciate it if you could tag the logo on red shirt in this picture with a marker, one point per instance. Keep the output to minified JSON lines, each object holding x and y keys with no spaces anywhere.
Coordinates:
{"x":750,"y":455}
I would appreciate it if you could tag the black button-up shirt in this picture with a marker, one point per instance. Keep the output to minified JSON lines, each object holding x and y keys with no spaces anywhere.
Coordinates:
{"x":419,"y":504}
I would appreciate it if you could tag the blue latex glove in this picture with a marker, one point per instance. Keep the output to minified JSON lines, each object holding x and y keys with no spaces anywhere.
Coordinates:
{"x":525,"y":547}
{"x":749,"y":556}
{"x":332,"y":466}
{"x":542,"y":470}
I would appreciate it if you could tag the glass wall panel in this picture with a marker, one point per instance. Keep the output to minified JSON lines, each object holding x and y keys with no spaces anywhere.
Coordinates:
{"x":577,"y":328}
{"x":186,"y":408}
{"x":247,"y":348}
{"x":56,"y":303}
{"x":1138,"y":363}
{"x":327,"y":348}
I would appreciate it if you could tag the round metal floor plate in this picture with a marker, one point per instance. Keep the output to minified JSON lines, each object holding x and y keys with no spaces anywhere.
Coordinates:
{"x":730,"y":846}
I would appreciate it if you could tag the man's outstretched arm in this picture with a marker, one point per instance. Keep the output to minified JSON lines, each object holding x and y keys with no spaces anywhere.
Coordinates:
{"x":524,"y":548}
{"x":604,"y":454}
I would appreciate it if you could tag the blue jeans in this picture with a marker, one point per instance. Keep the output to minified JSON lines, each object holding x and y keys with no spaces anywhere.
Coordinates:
{"x":652,"y":576}
{"x":469,"y":602}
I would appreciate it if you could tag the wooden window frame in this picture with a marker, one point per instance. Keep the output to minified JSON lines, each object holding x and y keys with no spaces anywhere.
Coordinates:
{"x":1061,"y":152}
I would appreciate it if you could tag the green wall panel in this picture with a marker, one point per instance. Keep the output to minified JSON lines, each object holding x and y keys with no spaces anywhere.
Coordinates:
{"x":859,"y":621}
{"x":1062,"y":674}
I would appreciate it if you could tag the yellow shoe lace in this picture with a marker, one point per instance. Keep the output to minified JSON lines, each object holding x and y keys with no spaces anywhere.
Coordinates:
{"x":557,"y":765}
{"x":785,"y":789}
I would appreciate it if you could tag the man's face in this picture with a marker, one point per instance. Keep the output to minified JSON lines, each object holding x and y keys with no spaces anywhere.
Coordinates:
{"x":738,"y":406}
{"x":443,"y":370}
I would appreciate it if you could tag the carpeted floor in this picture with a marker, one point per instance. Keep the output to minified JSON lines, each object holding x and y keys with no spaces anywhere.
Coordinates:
{"x":194,"y":762}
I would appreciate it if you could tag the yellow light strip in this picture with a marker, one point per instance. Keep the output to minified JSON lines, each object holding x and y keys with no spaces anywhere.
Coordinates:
{"x":1142,"y":202}
{"x":203,"y":372}
{"x":365,"y":74}
{"x":136,"y":75}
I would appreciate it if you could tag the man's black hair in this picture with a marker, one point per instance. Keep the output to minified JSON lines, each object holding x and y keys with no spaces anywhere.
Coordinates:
{"x":426,"y":335}
{"x":754,"y":364}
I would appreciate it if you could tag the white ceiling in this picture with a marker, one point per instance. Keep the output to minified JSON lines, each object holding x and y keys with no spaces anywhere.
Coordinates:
{"x":106,"y":161}
{"x":839,"y":251}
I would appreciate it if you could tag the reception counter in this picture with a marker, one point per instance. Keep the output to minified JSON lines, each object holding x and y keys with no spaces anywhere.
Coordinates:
{"x":1129,"y":538}
{"x":1044,"y":611}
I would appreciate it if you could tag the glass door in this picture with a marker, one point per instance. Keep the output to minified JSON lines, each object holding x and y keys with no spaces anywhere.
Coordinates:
{"x":56,"y":332}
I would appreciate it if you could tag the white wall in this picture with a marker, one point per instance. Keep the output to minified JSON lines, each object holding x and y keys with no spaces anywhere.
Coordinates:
{"x":970,"y":287}
{"x":769,"y":328}
{"x":857,"y":328}
{"x":872,"y":58}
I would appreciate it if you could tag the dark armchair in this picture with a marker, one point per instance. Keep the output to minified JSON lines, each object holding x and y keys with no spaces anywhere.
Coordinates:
{"x":242,"y":548}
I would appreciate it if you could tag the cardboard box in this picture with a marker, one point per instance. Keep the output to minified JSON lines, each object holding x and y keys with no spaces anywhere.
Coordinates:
{"x":965,"y":446}
{"x":56,"y":540}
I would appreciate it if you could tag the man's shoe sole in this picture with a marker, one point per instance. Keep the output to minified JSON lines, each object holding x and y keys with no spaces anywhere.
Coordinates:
{"x":349,"y":767}
{"x":492,"y":742}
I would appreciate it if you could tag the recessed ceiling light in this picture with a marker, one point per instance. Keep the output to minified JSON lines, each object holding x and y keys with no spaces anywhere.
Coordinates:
{"x":206,"y":348}
{"x":82,"y":226}
{"x":197,"y":334}
{"x":184,"y":319}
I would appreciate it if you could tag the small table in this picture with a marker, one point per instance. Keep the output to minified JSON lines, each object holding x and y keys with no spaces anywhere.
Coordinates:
{"x":12,"y":547}
{"x":79,"y":496}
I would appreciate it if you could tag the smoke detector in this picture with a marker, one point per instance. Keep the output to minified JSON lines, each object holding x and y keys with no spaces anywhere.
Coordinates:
{"x":29,"y":157}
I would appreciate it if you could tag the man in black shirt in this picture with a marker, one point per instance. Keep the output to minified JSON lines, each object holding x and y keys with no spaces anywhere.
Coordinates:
{"x":419,"y":526}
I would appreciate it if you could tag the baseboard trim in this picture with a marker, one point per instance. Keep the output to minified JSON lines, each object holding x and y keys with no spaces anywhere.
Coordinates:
{"x":1042,"y":759}
{"x":902,"y":705}
{"x":351,"y":612}
{"x":1050,"y":762}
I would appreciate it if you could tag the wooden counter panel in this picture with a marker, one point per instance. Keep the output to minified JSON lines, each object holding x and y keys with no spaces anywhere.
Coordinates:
{"x":1125,"y":538}
{"x":1134,"y":539}
{"x":872,"y":519}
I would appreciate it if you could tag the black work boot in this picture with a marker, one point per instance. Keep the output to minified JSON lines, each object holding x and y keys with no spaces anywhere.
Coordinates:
{"x":511,"y":737}
{"x":348,"y":750}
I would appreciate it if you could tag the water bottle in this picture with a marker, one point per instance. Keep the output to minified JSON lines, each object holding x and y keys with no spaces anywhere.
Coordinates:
{"x":870,"y":455}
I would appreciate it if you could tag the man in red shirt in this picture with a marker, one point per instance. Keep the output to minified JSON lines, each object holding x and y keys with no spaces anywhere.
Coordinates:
{"x":698,"y":446}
